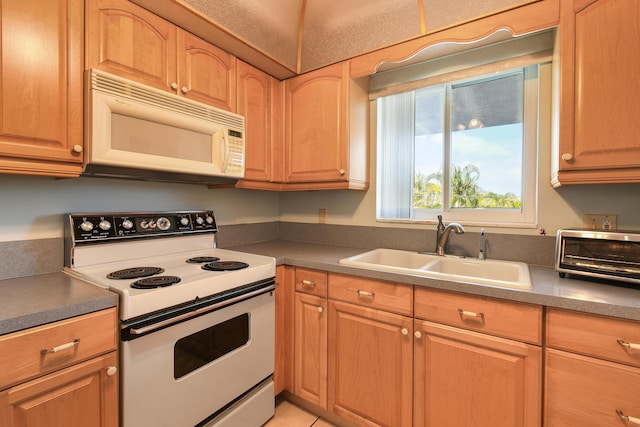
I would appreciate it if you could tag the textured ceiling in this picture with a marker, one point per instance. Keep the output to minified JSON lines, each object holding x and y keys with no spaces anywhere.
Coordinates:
{"x":302,"y":35}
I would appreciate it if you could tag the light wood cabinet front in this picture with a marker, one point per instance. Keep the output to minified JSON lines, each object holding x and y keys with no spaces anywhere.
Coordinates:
{"x":587,"y":392}
{"x":127,"y":40}
{"x":370,"y":370}
{"x":84,"y":395}
{"x":326,"y":130}
{"x":41,"y":88}
{"x":464,"y":378}
{"x":599,"y":57}
{"x":310,"y":353}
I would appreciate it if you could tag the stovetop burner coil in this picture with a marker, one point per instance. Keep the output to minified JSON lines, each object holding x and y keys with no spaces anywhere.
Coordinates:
{"x":202,"y":259}
{"x":155,"y":282}
{"x":134,"y":273}
{"x":225,"y":265}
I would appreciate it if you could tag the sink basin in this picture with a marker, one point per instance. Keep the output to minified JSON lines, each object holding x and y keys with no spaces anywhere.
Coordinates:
{"x":469,"y":270}
{"x":390,"y":260}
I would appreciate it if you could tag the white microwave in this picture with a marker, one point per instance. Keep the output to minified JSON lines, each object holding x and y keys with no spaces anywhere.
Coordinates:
{"x":136,"y":131}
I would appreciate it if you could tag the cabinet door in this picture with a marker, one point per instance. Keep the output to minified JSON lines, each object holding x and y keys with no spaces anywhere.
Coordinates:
{"x":599,"y":138}
{"x":206,"y":74}
{"x":80,"y":396}
{"x":316,"y":139}
{"x":129,"y":41}
{"x":464,"y":378}
{"x":584,"y":391}
{"x":310,"y":342}
{"x":370,"y":365}
{"x":283,"y":370}
{"x":41,"y":87}
{"x":254,"y":103}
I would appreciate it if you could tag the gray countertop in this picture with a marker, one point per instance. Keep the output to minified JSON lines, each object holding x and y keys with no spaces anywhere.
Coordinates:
{"x":31,"y":301}
{"x":36,"y":300}
{"x":598,"y":297}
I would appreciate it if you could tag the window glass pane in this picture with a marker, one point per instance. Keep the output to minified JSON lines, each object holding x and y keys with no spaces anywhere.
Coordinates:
{"x":486,"y":143}
{"x":429,"y":148}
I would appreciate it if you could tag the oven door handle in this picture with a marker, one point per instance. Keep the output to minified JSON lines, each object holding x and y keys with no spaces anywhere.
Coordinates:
{"x":200,"y":311}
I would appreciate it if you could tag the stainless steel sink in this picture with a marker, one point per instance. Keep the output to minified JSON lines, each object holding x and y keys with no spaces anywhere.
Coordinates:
{"x":507,"y":274}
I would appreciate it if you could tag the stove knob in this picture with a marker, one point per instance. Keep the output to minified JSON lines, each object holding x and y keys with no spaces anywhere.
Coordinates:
{"x":184,"y":221}
{"x":209,"y":219}
{"x":104,"y":225}
{"x":144,"y":224}
{"x":164,"y":223}
{"x":86,"y":226}
{"x":152,"y":224}
{"x":199,"y":220}
{"x":127,"y":224}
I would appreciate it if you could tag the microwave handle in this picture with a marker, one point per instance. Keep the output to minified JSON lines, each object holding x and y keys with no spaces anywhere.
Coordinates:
{"x":225,"y":149}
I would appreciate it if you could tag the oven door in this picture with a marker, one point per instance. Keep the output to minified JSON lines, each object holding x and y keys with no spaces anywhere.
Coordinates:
{"x":193,"y":371}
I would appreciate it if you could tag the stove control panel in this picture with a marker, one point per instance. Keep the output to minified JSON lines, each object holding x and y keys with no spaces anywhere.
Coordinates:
{"x":93,"y":227}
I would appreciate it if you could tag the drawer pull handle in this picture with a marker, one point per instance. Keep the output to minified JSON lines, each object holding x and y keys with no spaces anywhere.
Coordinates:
{"x":627,"y":418}
{"x":308,"y":283}
{"x":630,"y":345}
{"x":465,"y":313}
{"x":61,"y":347}
{"x":367,"y":294}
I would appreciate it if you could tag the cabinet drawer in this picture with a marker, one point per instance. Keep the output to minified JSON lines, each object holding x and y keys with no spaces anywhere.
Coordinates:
{"x":507,"y":319}
{"x":311,"y":281}
{"x":594,"y":335}
{"x":24,"y":355}
{"x":583,"y":391}
{"x":386,"y":296}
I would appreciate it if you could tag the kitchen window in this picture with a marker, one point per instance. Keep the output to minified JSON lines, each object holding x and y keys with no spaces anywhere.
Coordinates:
{"x":464,"y":147}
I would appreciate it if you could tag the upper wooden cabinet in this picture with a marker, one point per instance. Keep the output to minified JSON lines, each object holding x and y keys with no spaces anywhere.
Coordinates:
{"x":41,"y":90}
{"x":326,"y":129}
{"x":257,"y":94}
{"x":598,"y":132}
{"x":129,"y":41}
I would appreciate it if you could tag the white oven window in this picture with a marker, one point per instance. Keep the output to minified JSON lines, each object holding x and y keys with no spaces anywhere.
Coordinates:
{"x":207,"y":345}
{"x":136,"y":135}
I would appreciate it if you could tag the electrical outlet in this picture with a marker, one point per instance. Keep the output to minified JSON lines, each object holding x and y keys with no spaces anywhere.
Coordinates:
{"x":600,"y":222}
{"x":322,"y":216}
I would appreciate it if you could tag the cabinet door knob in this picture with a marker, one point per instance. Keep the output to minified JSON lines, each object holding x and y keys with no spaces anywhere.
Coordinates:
{"x":174,"y":86}
{"x":567,"y":157}
{"x":320,"y":309}
{"x":184,"y":89}
{"x":404,"y":331}
{"x":418,"y":334}
{"x":77,"y":148}
{"x":342,"y":172}
{"x":111,"y":371}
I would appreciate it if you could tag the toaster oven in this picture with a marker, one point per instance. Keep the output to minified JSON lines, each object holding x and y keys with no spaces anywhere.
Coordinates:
{"x":605,"y":255}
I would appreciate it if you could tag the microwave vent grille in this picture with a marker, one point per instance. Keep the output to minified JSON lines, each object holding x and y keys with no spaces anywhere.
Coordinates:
{"x":117,"y":86}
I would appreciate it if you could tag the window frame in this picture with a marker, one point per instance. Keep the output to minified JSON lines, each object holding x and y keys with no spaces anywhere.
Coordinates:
{"x":526,"y":217}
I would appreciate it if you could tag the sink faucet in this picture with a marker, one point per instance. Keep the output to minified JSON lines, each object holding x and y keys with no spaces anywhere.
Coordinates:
{"x":442,"y":234}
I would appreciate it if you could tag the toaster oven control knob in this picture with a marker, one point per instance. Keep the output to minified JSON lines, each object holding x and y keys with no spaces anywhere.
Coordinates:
{"x":127,"y":224}
{"x":163,"y":223}
{"x":104,"y":225}
{"x":86,"y":226}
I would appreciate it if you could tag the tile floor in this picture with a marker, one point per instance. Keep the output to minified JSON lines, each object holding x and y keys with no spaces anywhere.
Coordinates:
{"x":290,"y":415}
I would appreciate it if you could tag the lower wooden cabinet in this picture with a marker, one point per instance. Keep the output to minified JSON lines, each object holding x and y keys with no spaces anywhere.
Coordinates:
{"x":465,"y":378}
{"x":310,"y":341}
{"x":83,"y":395}
{"x":370,"y":369}
{"x":588,"y":392}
